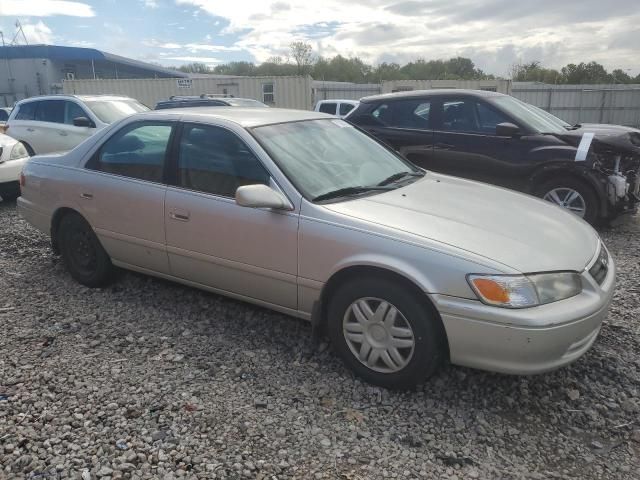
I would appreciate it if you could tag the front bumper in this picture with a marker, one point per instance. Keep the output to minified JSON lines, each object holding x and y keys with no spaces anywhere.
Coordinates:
{"x":526,"y":341}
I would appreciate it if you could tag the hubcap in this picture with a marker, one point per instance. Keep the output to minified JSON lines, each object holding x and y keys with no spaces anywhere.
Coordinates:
{"x":568,"y":198}
{"x":82,"y":251}
{"x":378,"y":335}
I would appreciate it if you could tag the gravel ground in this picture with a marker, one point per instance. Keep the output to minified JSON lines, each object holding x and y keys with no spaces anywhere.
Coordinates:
{"x":148,"y":379}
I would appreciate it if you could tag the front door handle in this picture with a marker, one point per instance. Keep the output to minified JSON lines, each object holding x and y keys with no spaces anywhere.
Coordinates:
{"x":443,"y":146}
{"x":31,"y":129}
{"x":180,"y":215}
{"x":63,"y":134}
{"x":87,"y":196}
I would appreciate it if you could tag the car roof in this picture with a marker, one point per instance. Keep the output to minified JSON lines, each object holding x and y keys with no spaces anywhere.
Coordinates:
{"x":430,"y":93}
{"x":339,"y":100}
{"x":245,"y":117}
{"x":79,"y":97}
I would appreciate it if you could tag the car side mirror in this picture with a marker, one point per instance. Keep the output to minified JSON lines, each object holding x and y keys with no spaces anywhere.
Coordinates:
{"x":261,"y":196}
{"x":507,"y":129}
{"x":83,"y":122}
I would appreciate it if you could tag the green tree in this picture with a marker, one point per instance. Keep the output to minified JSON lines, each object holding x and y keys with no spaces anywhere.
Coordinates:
{"x":302,"y":54}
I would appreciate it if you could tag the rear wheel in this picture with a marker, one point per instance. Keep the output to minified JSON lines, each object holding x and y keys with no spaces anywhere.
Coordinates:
{"x":84,"y":257}
{"x":572,"y":194}
{"x":384,"y":333}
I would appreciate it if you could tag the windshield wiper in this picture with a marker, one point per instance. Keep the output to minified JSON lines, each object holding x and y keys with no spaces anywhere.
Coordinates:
{"x":399,"y":176}
{"x":344,"y":192}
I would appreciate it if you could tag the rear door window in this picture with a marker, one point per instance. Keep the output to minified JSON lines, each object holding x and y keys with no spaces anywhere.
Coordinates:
{"x":414,"y":114}
{"x":51,"y":111}
{"x":329,"y":108}
{"x":136,"y":151}
{"x":27,"y":111}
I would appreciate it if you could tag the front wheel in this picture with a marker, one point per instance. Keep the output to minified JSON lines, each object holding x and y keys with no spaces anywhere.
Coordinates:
{"x":573,"y":195}
{"x":82,"y":254}
{"x":385,"y":333}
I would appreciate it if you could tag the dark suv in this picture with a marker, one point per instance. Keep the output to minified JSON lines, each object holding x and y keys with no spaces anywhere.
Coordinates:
{"x":593,"y":171}
{"x":183,"y":101}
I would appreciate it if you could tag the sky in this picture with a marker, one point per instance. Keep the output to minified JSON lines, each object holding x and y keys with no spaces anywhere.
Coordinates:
{"x":495,"y":34}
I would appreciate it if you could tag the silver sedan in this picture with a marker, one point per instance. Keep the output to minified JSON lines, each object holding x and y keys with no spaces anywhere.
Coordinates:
{"x":304,"y":214}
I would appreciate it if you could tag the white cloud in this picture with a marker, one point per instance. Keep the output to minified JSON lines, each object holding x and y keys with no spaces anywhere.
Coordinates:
{"x":37,"y":33}
{"x":192,"y":47}
{"x":553,"y":32}
{"x":150,"y":3}
{"x":207,"y":60}
{"x":44,"y":8}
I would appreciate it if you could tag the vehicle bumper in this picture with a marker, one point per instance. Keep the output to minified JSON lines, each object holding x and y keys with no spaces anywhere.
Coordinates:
{"x":37,"y":219}
{"x":10,"y":170}
{"x":526,"y":341}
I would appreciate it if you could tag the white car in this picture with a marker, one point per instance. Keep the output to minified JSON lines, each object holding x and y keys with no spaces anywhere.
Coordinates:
{"x":13,"y":156}
{"x":339,"y":108}
{"x":55,"y":123}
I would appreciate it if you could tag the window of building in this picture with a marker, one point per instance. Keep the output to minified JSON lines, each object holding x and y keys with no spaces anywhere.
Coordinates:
{"x":268,"y":93}
{"x":136,"y":151}
{"x":214,"y":160}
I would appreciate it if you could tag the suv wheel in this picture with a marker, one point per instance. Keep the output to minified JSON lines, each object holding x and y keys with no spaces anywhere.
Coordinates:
{"x":573,"y":195}
{"x":84,"y":257}
{"x":384,"y":333}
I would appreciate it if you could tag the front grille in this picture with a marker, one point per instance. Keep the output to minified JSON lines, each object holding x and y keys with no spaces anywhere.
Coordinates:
{"x":599,"y":269}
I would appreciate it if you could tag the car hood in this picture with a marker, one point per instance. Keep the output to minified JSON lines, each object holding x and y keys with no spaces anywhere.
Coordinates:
{"x":513,"y":229}
{"x":608,"y":138}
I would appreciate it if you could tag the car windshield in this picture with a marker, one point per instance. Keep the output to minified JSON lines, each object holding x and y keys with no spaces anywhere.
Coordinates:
{"x":108,"y":111}
{"x":526,"y":115}
{"x":324,"y":156}
{"x":244,"y":102}
{"x":551,"y":117}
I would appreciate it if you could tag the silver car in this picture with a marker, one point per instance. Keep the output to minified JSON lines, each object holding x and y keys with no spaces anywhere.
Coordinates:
{"x":304,"y":214}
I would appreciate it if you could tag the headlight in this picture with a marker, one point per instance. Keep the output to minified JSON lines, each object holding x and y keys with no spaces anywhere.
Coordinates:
{"x":18,"y":151}
{"x":521,"y":291}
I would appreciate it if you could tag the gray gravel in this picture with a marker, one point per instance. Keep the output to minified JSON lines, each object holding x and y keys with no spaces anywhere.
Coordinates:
{"x":148,"y":379}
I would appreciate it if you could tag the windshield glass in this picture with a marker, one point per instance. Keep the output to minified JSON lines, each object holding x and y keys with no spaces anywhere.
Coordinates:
{"x":526,"y":115}
{"x":108,"y":111}
{"x":322,"y":156}
{"x":550,"y":116}
{"x":244,"y":102}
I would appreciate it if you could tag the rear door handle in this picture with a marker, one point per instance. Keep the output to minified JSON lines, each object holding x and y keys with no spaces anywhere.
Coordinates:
{"x":180,"y":215}
{"x":63,"y":134}
{"x":87,"y":196}
{"x":29,"y":129}
{"x":443,"y":146}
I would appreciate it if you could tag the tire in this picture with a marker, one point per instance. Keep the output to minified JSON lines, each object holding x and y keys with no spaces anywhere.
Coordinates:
{"x":564,"y":186}
{"x":413,"y":365}
{"x":9,"y":196}
{"x":82,"y":254}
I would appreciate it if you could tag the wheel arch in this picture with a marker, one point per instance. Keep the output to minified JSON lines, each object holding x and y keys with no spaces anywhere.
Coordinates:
{"x":56,"y":218}
{"x":547,"y":172}
{"x":351,"y":272}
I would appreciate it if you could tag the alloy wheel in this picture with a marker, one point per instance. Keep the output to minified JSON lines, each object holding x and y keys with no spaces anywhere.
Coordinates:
{"x":568,"y":198}
{"x":378,"y":335}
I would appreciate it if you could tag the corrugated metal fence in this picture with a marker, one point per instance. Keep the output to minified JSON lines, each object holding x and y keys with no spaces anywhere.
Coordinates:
{"x":615,"y":104}
{"x":283,"y":92}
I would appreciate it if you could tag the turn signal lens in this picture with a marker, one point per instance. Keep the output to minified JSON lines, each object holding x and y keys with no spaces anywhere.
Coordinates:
{"x":491,"y":290}
{"x":510,"y":291}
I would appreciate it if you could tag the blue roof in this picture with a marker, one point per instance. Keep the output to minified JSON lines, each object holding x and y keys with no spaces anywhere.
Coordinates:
{"x":57,"y":52}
